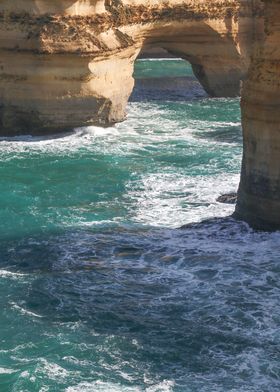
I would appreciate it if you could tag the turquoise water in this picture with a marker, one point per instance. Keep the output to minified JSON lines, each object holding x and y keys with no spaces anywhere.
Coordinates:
{"x":100,"y":290}
{"x":151,"y":68}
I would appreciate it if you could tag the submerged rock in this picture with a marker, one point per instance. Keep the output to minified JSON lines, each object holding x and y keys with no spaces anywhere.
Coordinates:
{"x":228,"y":198}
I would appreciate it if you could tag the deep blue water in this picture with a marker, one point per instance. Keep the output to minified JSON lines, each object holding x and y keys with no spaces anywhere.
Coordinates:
{"x":100,"y":290}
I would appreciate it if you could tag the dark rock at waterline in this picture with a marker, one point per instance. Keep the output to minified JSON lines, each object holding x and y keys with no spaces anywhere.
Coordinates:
{"x":215,"y":227}
{"x":229,"y":198}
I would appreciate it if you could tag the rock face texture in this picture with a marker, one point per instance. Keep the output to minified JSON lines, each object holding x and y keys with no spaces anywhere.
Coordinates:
{"x":259,"y":193}
{"x":69,"y":63}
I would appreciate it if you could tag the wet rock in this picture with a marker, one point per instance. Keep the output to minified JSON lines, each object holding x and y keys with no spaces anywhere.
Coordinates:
{"x":228,"y":198}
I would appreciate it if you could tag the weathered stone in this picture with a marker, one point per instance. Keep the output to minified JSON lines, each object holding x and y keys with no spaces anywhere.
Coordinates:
{"x":259,"y":192}
{"x":229,"y":198}
{"x":69,"y":63}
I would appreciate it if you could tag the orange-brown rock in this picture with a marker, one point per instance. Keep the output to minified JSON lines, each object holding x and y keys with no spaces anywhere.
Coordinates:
{"x":69,"y":63}
{"x":259,"y":193}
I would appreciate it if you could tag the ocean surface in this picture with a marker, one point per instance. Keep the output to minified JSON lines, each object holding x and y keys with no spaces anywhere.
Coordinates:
{"x":100,"y":290}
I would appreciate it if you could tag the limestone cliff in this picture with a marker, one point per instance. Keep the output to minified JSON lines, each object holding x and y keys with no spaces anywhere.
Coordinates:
{"x":69,"y":63}
{"x":259,"y":193}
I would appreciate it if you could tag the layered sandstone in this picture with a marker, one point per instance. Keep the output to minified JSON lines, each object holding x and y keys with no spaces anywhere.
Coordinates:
{"x":69,"y":63}
{"x":259,"y":193}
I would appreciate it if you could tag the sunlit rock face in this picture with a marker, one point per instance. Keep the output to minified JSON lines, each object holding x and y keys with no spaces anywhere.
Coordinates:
{"x":69,"y":63}
{"x":259,"y":194}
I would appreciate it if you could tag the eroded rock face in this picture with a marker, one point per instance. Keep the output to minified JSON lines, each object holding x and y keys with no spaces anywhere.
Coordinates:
{"x":259,"y":193}
{"x":69,"y":63}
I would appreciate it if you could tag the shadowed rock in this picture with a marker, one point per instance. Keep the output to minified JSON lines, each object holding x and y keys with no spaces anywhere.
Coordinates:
{"x":229,"y":198}
{"x":259,"y":191}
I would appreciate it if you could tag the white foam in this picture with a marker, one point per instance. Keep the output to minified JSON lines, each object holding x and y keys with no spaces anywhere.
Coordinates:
{"x":7,"y":370}
{"x":144,"y":121}
{"x":52,"y":370}
{"x":157,"y":198}
{"x":162,"y":200}
{"x":13,"y":275}
{"x":165,"y":386}
{"x":96,"y":131}
{"x":100,"y":386}
{"x":23,"y":311}
{"x":18,"y":348}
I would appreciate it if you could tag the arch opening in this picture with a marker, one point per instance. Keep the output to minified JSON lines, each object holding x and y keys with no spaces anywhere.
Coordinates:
{"x":215,"y":58}
{"x":160,"y":75}
{"x":89,"y":83}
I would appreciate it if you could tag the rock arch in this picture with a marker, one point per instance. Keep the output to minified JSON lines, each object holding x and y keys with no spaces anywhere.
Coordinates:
{"x":210,"y":49}
{"x":68,"y":63}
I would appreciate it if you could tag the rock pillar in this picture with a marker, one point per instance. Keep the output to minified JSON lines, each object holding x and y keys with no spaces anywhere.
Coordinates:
{"x":259,"y":192}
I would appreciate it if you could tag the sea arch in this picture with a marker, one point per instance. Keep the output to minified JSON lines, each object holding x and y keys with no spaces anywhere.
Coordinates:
{"x":69,"y":63}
